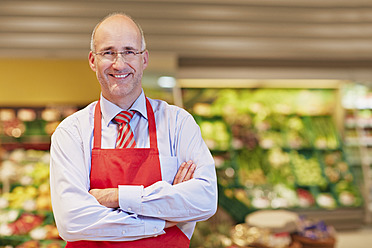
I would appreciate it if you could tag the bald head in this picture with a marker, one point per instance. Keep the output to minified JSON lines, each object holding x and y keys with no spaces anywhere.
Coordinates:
{"x":117,"y":20}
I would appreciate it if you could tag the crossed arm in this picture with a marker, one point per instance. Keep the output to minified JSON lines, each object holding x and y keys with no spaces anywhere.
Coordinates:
{"x":109,"y":197}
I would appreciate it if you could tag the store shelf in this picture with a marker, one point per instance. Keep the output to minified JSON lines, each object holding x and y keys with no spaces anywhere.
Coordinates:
{"x":36,"y":142}
{"x":44,"y":146}
{"x":340,"y":219}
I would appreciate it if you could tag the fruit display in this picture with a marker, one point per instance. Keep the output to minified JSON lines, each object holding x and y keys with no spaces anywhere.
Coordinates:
{"x":307,"y":171}
{"x":26,"y":218}
{"x":278,"y":148}
{"x":324,"y":133}
{"x":209,"y":130}
{"x":25,"y":205}
{"x":347,"y":193}
{"x":305,"y":198}
{"x":280,"y":171}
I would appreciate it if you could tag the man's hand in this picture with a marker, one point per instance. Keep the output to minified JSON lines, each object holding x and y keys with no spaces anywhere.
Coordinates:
{"x":185,"y":172}
{"x":107,"y":197}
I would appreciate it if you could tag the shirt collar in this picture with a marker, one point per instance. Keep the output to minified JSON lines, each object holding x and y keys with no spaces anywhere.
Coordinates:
{"x":140,"y":105}
{"x":109,"y":110}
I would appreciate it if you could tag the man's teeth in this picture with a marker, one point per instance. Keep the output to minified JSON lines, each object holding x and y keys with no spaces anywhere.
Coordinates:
{"x":121,"y":76}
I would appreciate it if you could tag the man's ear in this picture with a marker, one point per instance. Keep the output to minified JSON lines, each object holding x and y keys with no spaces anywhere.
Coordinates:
{"x":92,"y":59}
{"x":145,"y":58}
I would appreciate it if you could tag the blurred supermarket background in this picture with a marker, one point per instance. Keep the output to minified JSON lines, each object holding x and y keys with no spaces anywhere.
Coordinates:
{"x":281,"y":90}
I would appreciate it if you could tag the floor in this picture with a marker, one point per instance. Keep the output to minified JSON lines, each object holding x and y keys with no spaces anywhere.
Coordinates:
{"x":361,"y":238}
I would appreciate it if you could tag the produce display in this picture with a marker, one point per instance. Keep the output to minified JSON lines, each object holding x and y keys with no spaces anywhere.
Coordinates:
{"x":26,"y":218}
{"x":308,"y":172}
{"x":274,"y":148}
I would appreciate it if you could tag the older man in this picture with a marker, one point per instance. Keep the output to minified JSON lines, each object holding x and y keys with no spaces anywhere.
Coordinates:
{"x":116,"y":174}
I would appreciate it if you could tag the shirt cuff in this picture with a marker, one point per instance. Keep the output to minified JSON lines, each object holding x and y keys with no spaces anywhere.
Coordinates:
{"x":153,"y":226}
{"x":130,"y":198}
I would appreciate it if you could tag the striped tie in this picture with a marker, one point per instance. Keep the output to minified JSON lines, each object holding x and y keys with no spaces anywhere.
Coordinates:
{"x":125,"y":136}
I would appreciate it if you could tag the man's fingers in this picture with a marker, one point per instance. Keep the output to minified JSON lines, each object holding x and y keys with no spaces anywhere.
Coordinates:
{"x":183,"y":173}
{"x":178,"y":178}
{"x":190,"y":172}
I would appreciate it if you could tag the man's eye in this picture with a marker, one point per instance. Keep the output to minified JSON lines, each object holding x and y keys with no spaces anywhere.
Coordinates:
{"x":108,"y":53}
{"x":129,"y":52}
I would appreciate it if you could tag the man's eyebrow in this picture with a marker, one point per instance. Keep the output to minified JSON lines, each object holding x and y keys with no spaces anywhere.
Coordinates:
{"x":107,"y":48}
{"x":130,"y":48}
{"x":124,"y":48}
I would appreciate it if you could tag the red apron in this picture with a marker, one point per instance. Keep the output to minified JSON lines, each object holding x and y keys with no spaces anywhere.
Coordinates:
{"x":129,"y":166}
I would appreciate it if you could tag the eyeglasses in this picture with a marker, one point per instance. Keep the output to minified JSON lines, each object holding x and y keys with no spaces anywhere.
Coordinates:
{"x":112,"y":56}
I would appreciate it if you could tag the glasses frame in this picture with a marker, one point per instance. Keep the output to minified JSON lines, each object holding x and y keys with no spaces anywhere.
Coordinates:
{"x":122,"y":53}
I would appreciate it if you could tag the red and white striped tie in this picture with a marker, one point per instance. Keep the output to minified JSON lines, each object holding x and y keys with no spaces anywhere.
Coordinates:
{"x":125,"y":136}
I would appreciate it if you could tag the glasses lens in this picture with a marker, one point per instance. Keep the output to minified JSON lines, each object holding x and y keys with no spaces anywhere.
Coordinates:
{"x":129,"y":55}
{"x":110,"y":56}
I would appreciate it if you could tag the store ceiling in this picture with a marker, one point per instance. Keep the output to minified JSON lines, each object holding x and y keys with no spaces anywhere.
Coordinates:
{"x":201,"y":33}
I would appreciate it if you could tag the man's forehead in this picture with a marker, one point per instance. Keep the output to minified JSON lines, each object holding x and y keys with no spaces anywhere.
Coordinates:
{"x":118,"y":33}
{"x":117,"y":23}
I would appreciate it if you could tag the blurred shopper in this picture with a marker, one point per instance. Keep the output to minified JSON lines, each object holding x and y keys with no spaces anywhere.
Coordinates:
{"x":116,"y":174}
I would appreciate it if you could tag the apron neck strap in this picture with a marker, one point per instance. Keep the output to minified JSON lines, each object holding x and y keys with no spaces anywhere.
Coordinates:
{"x":152,"y":125}
{"x":98,"y":126}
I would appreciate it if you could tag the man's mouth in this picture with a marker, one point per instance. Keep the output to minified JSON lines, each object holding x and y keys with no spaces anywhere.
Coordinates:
{"x":120,"y":76}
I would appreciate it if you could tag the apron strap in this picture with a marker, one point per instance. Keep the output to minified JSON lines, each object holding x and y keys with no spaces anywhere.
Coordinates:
{"x":98,"y":126}
{"x":152,"y":125}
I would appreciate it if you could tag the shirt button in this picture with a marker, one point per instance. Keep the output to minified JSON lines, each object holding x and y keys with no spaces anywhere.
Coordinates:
{"x":123,"y":232}
{"x":159,"y":212}
{"x":129,"y":209}
{"x":155,"y":229}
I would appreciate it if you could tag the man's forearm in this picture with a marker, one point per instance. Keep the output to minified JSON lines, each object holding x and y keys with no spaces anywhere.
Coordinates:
{"x":107,"y":197}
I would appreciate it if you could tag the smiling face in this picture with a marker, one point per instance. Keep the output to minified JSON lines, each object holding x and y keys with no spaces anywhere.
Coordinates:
{"x":120,"y":80}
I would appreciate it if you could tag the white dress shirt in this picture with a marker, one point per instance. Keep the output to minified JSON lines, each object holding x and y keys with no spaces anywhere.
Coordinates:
{"x":142,"y":211}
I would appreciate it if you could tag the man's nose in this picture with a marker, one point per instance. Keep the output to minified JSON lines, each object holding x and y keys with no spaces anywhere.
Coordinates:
{"x":119,"y":60}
